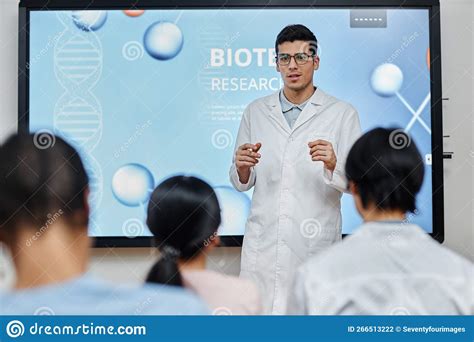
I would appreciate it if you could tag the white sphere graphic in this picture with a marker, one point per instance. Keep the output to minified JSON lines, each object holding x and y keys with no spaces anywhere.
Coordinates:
{"x":386,"y":79}
{"x":132,"y":184}
{"x":89,"y":20}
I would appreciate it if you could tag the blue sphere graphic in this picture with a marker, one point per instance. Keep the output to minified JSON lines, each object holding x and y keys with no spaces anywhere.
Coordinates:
{"x":132,"y":185}
{"x":163,"y":40}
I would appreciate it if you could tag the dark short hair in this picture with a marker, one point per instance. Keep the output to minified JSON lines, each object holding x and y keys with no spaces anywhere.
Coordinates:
{"x":297,"y":32}
{"x":41,"y":177}
{"x":387,"y":169}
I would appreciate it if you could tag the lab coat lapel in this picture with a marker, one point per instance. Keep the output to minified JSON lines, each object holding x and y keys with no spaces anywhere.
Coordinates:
{"x":275,"y":112}
{"x":311,"y":109}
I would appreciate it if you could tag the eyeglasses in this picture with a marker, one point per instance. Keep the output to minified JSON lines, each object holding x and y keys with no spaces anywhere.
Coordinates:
{"x":300,"y":58}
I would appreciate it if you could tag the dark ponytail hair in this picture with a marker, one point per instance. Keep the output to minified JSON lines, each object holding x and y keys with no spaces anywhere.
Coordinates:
{"x":183,"y":216}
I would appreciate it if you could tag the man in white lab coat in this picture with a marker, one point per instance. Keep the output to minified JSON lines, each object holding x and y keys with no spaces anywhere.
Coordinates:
{"x":388,"y":266}
{"x":291,"y":148}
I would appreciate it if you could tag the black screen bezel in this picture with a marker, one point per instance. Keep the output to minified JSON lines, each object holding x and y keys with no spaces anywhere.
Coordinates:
{"x":26,"y":6}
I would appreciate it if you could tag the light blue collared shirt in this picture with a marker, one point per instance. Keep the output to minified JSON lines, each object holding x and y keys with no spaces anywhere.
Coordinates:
{"x":87,"y":295}
{"x":290,"y":110}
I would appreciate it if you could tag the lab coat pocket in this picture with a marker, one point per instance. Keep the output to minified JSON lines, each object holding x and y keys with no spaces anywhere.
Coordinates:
{"x":323,"y":135}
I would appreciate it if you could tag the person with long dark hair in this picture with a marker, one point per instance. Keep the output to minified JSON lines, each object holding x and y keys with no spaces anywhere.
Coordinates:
{"x":184,"y":216}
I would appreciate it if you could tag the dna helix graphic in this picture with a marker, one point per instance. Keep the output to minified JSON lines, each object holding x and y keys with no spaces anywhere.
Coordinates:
{"x":78,"y":63}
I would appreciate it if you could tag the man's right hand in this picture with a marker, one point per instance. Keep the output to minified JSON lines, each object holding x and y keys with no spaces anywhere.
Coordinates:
{"x":246,"y":156}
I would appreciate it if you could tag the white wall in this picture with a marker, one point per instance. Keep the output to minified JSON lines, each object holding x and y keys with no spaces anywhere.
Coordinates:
{"x":8,"y":66}
{"x":457,"y":61}
{"x":457,"y":43}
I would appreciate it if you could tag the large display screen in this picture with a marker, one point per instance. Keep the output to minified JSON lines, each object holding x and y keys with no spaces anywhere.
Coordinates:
{"x":147,"y":94}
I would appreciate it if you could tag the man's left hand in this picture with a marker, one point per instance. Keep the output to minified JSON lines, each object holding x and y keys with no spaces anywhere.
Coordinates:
{"x":322,"y":150}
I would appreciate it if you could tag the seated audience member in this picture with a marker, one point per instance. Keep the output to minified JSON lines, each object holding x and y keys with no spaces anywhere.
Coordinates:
{"x":388,"y":266}
{"x":184,"y":215}
{"x":43,"y":223}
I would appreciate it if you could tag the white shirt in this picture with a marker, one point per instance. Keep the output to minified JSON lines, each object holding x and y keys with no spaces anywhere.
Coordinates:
{"x":296,"y":204}
{"x":385,"y":269}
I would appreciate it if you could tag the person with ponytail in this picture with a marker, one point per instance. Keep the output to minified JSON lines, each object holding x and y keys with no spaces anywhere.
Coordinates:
{"x":183,"y":216}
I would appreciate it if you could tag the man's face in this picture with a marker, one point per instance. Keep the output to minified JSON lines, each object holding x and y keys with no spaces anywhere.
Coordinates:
{"x":297,"y":76}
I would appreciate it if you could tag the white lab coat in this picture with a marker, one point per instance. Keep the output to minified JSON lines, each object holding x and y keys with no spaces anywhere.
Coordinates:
{"x":385,"y":269}
{"x":295,"y":209}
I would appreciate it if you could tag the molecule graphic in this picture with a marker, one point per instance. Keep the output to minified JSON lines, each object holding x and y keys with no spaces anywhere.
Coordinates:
{"x":386,"y":81}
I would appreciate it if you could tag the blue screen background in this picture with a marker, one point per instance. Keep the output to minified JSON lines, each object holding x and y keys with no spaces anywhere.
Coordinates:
{"x":124,"y":106}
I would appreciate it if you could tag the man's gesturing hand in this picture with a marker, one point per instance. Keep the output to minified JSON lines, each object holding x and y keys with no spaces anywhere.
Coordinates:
{"x":246,"y":156}
{"x":322,"y":150}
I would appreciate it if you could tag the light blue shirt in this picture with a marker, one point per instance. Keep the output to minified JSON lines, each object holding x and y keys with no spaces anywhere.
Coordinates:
{"x":290,"y":110}
{"x":88,"y":295}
